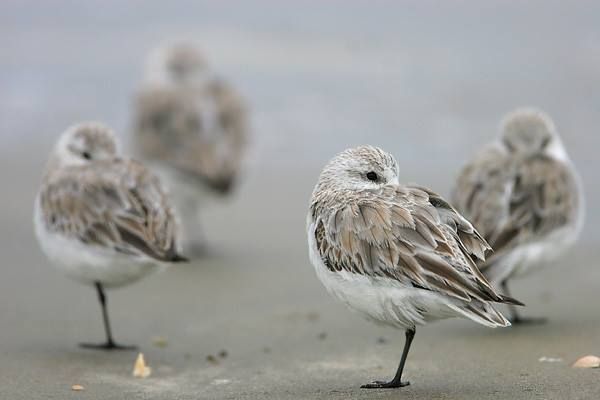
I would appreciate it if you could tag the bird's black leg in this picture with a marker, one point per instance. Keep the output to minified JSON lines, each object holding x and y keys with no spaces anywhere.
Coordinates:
{"x":110,"y":343}
{"x":515,"y":318}
{"x":397,"y":381}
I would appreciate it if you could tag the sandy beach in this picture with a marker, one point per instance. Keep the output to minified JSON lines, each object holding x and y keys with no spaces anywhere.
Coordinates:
{"x":256,"y":300}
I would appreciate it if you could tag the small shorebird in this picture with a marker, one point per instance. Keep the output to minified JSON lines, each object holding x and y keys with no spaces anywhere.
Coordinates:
{"x":101,"y":219}
{"x":523,"y":194}
{"x":400,"y":255}
{"x":190,"y":128}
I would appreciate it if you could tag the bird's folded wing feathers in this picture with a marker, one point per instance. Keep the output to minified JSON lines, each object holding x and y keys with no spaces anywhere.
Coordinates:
{"x":543,"y":198}
{"x":117,"y":205}
{"x":515,"y":201}
{"x":408,"y":234}
{"x":169,"y":129}
{"x":481,"y":190}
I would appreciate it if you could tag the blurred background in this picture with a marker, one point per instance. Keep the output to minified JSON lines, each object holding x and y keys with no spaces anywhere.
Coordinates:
{"x":426,"y":80}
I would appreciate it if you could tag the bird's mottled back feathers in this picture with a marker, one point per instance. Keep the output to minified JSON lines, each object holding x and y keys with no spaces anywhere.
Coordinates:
{"x":404,"y":233}
{"x":515,"y":200}
{"x":115,"y":204}
{"x":200,"y":132}
{"x":481,"y":190}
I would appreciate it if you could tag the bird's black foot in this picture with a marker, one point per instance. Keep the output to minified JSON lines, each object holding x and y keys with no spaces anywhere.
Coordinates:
{"x":528,"y":320}
{"x":106,"y":346}
{"x":384,"y":385}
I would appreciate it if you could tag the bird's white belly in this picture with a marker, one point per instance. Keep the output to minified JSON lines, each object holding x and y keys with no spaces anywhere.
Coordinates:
{"x":539,"y":254}
{"x":531,"y":257}
{"x":90,"y":264}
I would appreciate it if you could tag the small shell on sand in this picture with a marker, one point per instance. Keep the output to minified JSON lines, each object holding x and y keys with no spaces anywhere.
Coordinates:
{"x":140,"y":369}
{"x":587,"y":362}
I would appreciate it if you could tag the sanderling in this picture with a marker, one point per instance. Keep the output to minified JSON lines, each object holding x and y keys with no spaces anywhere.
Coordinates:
{"x":397,"y":254}
{"x":190,"y":127}
{"x":524,"y":196}
{"x":101,"y":219}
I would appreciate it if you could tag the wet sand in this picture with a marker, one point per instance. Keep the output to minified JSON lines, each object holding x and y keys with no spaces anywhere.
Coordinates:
{"x":256,"y":297}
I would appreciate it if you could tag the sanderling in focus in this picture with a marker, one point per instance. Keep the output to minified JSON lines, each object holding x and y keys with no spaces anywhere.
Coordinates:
{"x":101,"y":219}
{"x":398,"y":254}
{"x":190,"y":127}
{"x":524,"y":196}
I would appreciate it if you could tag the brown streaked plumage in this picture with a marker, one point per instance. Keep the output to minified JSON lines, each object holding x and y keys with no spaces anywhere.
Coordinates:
{"x":523,"y":194}
{"x":172,"y":132}
{"x":406,"y":234}
{"x":112,"y":204}
{"x":102,"y":219}
{"x":191,"y":128}
{"x":398,"y":254}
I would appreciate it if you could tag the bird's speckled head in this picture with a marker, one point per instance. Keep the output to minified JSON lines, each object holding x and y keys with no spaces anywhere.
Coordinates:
{"x":358,"y":169}
{"x":180,"y":64}
{"x":184,"y":62}
{"x":528,"y":131}
{"x":83,"y":143}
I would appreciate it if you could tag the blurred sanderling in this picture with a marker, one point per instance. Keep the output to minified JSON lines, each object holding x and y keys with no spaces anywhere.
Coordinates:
{"x":190,"y":127}
{"x":101,"y":219}
{"x":397,"y":254}
{"x":523,"y":194}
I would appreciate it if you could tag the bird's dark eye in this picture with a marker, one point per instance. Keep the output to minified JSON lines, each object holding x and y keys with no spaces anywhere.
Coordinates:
{"x":546,"y":142}
{"x":372,"y":176}
{"x":86,"y":155}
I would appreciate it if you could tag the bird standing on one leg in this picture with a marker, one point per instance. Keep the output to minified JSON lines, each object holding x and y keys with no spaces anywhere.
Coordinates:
{"x":103,"y":220}
{"x":397,"y":254}
{"x":524,"y":196}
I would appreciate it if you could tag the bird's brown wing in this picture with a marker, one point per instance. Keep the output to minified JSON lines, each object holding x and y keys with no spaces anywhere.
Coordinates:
{"x":116,"y":205}
{"x":514,"y":201}
{"x":408,"y":234}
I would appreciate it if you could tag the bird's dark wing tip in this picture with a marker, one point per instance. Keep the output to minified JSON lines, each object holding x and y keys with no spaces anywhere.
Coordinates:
{"x":176,"y":258}
{"x":510,"y":300}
